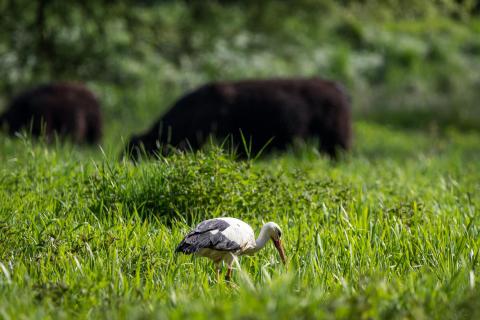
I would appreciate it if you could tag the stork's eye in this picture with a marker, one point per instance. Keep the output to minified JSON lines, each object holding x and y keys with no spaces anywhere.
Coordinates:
{"x":279,"y":233}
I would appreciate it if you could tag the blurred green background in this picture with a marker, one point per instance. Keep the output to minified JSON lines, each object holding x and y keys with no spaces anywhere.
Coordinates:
{"x":412,"y":64}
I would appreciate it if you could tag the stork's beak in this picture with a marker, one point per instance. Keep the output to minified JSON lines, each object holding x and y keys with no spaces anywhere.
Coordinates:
{"x":278,"y":245}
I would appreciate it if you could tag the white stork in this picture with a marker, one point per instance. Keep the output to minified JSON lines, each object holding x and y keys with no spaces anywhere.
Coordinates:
{"x":224,"y":239}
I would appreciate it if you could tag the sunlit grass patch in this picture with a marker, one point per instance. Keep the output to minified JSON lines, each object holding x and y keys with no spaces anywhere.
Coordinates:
{"x":389,"y":231}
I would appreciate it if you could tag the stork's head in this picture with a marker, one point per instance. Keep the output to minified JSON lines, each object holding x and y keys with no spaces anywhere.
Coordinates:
{"x":276,"y":235}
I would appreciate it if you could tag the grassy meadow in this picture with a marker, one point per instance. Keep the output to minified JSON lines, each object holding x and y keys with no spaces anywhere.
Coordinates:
{"x":391,"y":231}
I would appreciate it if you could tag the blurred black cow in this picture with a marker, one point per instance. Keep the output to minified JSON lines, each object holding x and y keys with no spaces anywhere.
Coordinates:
{"x":271,"y":113}
{"x":65,"y":109}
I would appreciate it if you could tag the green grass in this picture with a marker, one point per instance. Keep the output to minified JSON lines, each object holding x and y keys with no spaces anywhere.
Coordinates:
{"x":391,"y":231}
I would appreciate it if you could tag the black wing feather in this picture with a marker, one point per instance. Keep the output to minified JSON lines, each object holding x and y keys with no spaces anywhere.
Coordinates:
{"x":202,"y":237}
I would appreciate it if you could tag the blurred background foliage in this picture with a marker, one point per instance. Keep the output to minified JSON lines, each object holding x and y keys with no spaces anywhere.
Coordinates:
{"x":406,"y":63}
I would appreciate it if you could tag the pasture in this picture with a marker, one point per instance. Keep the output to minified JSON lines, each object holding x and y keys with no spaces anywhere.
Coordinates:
{"x":391,"y":231}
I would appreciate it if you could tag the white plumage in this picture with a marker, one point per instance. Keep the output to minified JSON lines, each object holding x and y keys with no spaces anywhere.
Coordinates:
{"x":223,"y":239}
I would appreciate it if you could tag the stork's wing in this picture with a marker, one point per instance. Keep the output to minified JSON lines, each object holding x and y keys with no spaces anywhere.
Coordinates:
{"x":208,"y":234}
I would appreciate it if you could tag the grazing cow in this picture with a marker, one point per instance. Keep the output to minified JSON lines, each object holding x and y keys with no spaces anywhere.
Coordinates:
{"x":65,"y":109}
{"x":271,"y":113}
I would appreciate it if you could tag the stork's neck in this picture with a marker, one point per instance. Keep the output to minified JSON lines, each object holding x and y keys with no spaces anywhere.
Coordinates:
{"x":262,"y":239}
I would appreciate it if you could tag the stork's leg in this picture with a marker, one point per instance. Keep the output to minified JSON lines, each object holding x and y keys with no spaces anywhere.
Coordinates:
{"x":219,"y":269}
{"x":228,"y":276}
{"x":230,"y":261}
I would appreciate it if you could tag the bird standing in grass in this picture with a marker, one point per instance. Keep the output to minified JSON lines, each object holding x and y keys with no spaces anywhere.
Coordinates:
{"x":224,"y":239}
